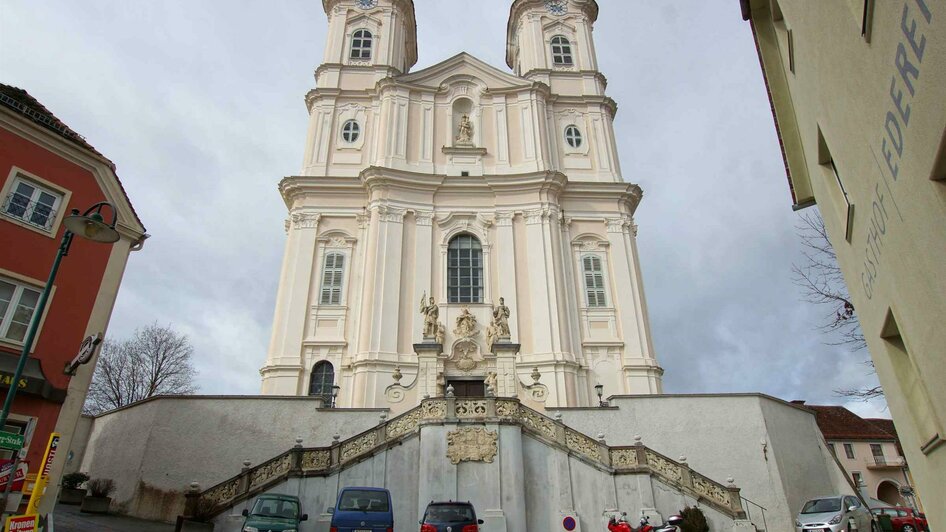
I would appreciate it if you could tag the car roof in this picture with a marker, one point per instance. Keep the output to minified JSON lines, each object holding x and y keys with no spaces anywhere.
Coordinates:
{"x":461,"y":503}
{"x":364,"y":489}
{"x":281,"y":496}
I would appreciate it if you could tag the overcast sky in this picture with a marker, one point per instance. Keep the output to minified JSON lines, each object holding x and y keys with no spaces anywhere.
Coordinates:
{"x":200,"y":104}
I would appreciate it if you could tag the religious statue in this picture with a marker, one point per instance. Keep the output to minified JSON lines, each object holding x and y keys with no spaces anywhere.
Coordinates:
{"x":490,"y":335}
{"x":501,"y":319}
{"x":490,"y":382}
{"x":465,"y":130}
{"x":466,"y":324}
{"x":441,"y":333}
{"x":431,"y":312}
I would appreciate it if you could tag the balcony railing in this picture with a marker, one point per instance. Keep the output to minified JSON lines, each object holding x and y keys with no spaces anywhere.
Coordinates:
{"x":881,"y":462}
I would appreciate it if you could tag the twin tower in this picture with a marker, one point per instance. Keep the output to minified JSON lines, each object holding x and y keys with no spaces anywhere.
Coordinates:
{"x":433,"y":205}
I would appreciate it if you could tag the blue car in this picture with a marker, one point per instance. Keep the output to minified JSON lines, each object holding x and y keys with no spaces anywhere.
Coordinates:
{"x":363,"y":510}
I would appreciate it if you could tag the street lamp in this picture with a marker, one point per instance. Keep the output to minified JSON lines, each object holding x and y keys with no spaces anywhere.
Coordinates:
{"x":90,"y":225}
{"x":599,"y":389}
{"x":335,"y":389}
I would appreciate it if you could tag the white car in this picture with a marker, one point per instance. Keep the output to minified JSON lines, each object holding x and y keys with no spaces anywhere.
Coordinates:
{"x":835,"y":513}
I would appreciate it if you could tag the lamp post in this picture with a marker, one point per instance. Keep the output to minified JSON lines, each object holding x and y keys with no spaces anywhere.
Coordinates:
{"x":335,"y":389}
{"x":599,"y":389}
{"x":89,"y":225}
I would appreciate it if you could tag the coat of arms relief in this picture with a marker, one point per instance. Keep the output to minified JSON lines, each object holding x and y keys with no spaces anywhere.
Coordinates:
{"x":472,"y":444}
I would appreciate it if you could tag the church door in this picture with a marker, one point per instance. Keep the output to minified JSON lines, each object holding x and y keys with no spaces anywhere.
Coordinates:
{"x":468,"y":388}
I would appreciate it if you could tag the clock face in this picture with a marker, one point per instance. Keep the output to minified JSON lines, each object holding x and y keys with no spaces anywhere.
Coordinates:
{"x":556,"y":7}
{"x":367,"y":4}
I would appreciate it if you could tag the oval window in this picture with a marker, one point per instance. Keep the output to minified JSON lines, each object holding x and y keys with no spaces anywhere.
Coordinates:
{"x":350,"y":131}
{"x":573,"y":136}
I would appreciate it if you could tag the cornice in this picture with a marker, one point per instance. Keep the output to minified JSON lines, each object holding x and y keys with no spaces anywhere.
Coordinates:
{"x":295,"y":187}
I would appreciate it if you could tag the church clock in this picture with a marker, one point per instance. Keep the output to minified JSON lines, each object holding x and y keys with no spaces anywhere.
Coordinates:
{"x":556,"y":7}
{"x":367,"y":4}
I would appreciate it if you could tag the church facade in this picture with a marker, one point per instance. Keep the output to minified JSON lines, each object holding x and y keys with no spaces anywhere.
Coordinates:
{"x":460,"y":227}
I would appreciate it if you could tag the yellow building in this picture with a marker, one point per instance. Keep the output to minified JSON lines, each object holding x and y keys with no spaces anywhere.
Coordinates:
{"x":858,"y":90}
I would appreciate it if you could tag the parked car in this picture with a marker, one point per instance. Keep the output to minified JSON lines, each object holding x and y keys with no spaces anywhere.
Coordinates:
{"x":903,"y":519}
{"x":274,"y":512}
{"x":450,"y":516}
{"x":834,"y":514}
{"x":363,"y":510}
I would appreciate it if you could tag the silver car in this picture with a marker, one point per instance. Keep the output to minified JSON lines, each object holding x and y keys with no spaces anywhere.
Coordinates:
{"x":835,"y":514}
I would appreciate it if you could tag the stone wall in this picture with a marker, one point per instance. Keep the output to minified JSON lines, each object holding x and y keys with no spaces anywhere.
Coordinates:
{"x":772,"y":448}
{"x":155,"y":448}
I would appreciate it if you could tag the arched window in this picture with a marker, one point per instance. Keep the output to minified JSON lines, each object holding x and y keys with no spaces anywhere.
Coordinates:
{"x":464,"y":270}
{"x":350,"y":131}
{"x":332,"y":269}
{"x":361,"y":45}
{"x":573,"y":136}
{"x":594,"y":281}
{"x":561,"y":51}
{"x":321,"y":381}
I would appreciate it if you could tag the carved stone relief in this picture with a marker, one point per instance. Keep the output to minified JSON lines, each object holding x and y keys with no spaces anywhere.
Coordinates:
{"x":472,"y":444}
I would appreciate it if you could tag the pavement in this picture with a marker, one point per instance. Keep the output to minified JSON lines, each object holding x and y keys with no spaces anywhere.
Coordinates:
{"x":68,"y":518}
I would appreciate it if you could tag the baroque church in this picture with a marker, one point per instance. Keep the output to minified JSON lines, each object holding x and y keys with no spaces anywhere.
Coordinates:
{"x":461,"y":316}
{"x":460,"y":226}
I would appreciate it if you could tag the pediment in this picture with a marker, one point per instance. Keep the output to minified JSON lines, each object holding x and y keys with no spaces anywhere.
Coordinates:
{"x":464,"y":66}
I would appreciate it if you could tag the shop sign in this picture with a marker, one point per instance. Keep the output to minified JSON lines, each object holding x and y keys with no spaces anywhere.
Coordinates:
{"x":21,"y":470}
{"x":86,"y":350}
{"x":21,"y":523}
{"x":11,"y":440}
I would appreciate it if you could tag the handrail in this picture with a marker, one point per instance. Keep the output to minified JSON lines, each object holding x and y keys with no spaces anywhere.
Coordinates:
{"x":323,"y":461}
{"x":765,"y":525}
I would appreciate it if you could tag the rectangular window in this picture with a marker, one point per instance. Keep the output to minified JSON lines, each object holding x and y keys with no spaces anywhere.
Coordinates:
{"x":32,"y":203}
{"x":831,"y":448}
{"x":839,"y":198}
{"x":17,"y":303}
{"x":877,"y":451}
{"x":791,"y":51}
{"x":332,"y":270}
{"x":594,"y":281}
{"x":856,"y":477}
{"x":849,"y":451}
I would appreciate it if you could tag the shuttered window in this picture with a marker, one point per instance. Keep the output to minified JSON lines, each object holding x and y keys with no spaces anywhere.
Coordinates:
{"x":594,"y":281}
{"x":332,"y":279}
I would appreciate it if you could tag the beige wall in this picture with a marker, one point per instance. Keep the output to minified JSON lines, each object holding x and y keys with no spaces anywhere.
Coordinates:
{"x":891,"y":468}
{"x":874,"y":105}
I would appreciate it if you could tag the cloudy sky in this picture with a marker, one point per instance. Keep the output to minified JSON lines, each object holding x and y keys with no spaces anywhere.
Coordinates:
{"x":200,"y":104}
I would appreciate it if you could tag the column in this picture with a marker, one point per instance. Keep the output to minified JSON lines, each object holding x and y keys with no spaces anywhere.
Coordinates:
{"x":423,"y":282}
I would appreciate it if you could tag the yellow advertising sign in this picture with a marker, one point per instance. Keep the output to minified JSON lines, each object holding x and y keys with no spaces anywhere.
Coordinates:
{"x":42,"y":476}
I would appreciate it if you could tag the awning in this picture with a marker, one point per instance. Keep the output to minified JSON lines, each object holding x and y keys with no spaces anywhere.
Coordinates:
{"x":32,"y":381}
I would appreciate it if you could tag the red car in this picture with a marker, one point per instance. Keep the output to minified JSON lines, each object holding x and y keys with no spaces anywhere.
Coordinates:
{"x":904,"y":519}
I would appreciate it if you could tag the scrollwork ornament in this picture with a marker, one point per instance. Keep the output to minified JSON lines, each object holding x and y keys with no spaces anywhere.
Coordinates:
{"x":472,"y":444}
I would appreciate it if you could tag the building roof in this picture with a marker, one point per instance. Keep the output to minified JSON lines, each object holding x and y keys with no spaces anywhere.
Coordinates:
{"x":21,"y":102}
{"x":839,"y":423}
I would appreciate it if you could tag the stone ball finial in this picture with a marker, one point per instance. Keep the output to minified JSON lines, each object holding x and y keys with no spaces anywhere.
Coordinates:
{"x":246,"y":464}
{"x":683,"y":459}
{"x":382,"y":418}
{"x":298,"y":442}
{"x":449,"y":390}
{"x":637,"y":440}
{"x":194,"y":487}
{"x":731,"y":482}
{"x":558,"y":417}
{"x":397,"y":374}
{"x":601,"y":437}
{"x":336,"y":437}
{"x":426,"y":396}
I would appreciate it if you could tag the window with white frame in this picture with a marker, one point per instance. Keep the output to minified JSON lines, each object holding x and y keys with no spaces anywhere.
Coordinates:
{"x":573,"y":136}
{"x":17,"y":304}
{"x":350,"y":131}
{"x":561,"y":51}
{"x":32,"y":203}
{"x":594,"y":281}
{"x":361,"y":45}
{"x":465,"y":270}
{"x":332,"y":269}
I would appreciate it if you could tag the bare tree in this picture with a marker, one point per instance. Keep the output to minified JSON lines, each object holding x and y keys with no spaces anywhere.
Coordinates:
{"x":155,"y":360}
{"x":822,"y":283}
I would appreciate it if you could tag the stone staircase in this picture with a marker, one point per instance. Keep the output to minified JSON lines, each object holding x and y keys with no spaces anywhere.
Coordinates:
{"x":302,"y":462}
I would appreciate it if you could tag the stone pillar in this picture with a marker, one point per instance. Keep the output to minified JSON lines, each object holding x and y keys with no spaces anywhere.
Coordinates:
{"x":428,"y":366}
{"x":505,"y":368}
{"x":506,"y":262}
{"x":423,"y":282}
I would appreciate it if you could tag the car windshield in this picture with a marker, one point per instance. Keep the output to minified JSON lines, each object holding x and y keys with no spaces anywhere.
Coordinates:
{"x":448,"y":514}
{"x":817,"y":506}
{"x":364,"y":501}
{"x":276,"y":508}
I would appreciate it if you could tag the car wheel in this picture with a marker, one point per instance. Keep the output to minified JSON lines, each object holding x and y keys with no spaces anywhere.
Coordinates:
{"x":907,"y":528}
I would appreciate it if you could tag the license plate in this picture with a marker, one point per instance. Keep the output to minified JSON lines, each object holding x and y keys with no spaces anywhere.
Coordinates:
{"x":361,"y":530}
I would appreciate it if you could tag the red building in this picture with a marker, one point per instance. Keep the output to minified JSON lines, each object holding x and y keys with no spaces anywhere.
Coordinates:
{"x":46,"y":170}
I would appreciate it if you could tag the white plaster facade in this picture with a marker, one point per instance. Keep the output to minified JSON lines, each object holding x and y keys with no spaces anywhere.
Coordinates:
{"x":389,"y":199}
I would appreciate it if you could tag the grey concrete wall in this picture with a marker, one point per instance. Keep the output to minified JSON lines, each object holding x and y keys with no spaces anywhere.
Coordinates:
{"x":721,"y":436}
{"x":155,"y":448}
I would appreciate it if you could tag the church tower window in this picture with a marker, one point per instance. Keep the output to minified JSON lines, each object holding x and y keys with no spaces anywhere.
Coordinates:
{"x":321,"y":381}
{"x":332,"y":279}
{"x":594,"y":281}
{"x":573,"y":136}
{"x":361,"y":45}
{"x":350,"y":131}
{"x":561,"y":51}
{"x":465,"y":270}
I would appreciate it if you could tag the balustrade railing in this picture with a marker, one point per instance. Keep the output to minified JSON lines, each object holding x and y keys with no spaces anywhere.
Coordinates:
{"x":320,"y":461}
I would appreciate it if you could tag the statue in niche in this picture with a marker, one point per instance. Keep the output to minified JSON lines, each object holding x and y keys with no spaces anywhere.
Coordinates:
{"x":466,"y":324}
{"x":431,"y":312}
{"x":501,"y":320}
{"x":465,"y":130}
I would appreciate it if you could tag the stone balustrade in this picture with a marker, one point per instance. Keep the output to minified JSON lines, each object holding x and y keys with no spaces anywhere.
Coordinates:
{"x":322,"y":461}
